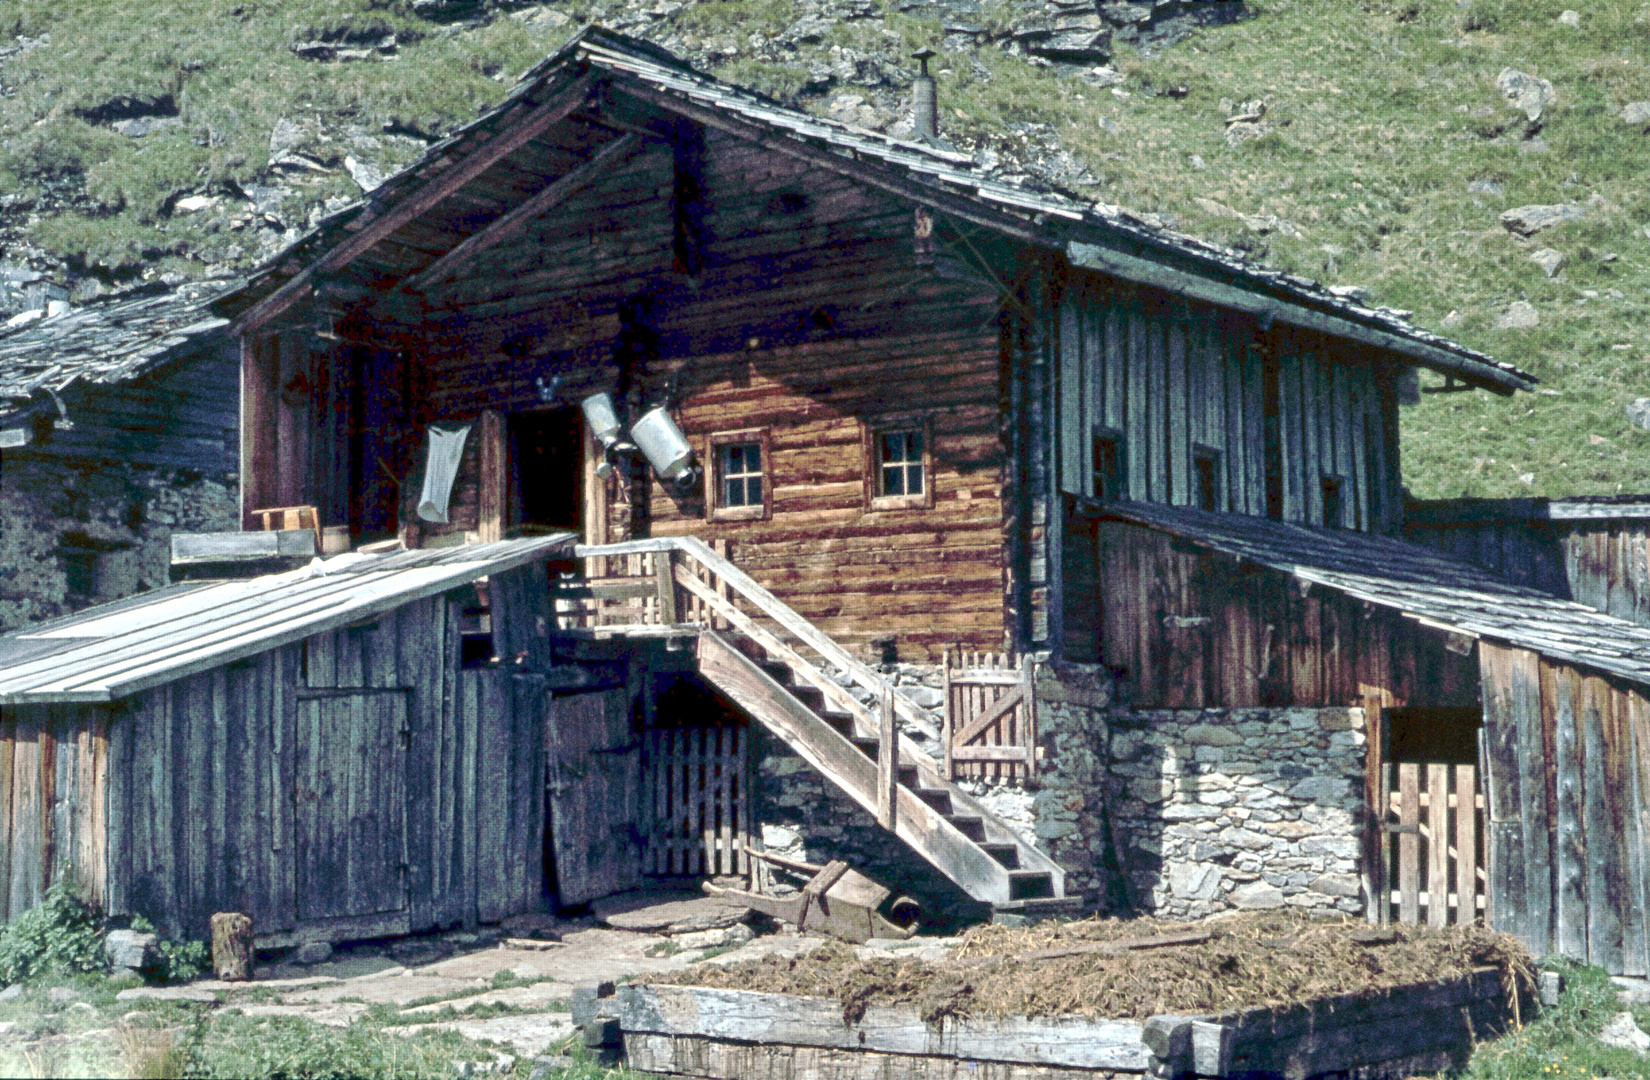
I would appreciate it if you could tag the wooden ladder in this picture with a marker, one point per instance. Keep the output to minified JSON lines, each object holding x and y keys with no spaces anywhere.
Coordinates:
{"x":772,"y":663}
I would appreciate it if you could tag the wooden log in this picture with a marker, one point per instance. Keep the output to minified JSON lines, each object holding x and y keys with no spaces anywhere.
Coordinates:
{"x":887,"y":762}
{"x":232,"y":953}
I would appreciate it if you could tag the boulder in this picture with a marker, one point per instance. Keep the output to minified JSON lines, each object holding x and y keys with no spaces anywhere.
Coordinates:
{"x":1637,"y":112}
{"x":1623,"y":1033}
{"x":1529,"y":220}
{"x":1631,"y":991}
{"x":1520,"y":315}
{"x":1569,"y":18}
{"x":1549,"y":260}
{"x":1526,"y":93}
{"x":1638,"y":411}
{"x":129,"y":950}
{"x":62,"y":993}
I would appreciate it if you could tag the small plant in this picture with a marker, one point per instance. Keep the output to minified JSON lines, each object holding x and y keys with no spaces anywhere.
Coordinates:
{"x":150,"y":1055}
{"x":58,"y":935}
{"x":180,"y":961}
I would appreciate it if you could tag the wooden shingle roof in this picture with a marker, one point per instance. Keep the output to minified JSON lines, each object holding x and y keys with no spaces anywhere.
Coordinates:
{"x":1091,"y":235}
{"x":113,"y":650}
{"x":1419,"y":582}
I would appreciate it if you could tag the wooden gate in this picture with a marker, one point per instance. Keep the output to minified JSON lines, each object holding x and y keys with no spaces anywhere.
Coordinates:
{"x":696,"y":781}
{"x":591,"y":779}
{"x":990,"y":722}
{"x":1435,"y":821}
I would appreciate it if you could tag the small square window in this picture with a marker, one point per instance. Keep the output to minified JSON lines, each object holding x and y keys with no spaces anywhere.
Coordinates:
{"x":900,"y":461}
{"x":740,"y":482}
{"x":741,"y":473}
{"x":899,"y":466}
{"x":1206,"y":479}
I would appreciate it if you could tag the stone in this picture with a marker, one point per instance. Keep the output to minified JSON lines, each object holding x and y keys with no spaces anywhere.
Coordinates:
{"x":1623,"y":1033}
{"x":1569,"y":18}
{"x":233,"y":956}
{"x":1212,"y":735}
{"x":62,"y":993}
{"x":1527,"y":93}
{"x":1631,"y":991}
{"x":1256,"y":895}
{"x":12,"y":992}
{"x":1638,"y":411}
{"x":925,"y":697}
{"x":1549,"y":260}
{"x":1520,"y":315}
{"x":1194,"y":881}
{"x":1637,"y":112}
{"x":545,"y":1065}
{"x":366,"y":176}
{"x":1551,"y":986}
{"x":312,"y":952}
{"x":1529,"y":220}
{"x":129,"y":950}
{"x":1241,"y":132}
{"x":168,"y":993}
{"x":1320,"y":789}
{"x":1335,"y":884}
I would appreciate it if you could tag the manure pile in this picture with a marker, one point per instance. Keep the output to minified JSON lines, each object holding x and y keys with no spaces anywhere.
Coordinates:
{"x":1268,"y":959}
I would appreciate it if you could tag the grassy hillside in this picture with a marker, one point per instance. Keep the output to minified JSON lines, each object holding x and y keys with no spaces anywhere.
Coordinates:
{"x":1380,"y":116}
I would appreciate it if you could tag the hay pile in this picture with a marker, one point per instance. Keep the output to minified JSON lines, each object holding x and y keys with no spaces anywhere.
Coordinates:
{"x":1254,"y":960}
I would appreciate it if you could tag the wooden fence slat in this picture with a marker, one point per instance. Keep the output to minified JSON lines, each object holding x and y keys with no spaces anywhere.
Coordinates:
{"x":1438,"y":830}
{"x":1466,"y":844}
{"x":1409,"y":844}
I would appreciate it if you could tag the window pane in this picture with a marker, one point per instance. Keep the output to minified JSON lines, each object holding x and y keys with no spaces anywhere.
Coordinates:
{"x":893,"y":480}
{"x":900,"y":461}
{"x":753,"y":491}
{"x":913,"y":479}
{"x":741,"y":468}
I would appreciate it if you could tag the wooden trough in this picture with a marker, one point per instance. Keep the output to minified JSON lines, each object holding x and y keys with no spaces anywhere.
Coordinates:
{"x":746,"y":1035}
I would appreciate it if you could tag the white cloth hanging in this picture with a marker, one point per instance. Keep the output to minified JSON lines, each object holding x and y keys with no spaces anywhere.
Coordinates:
{"x":446,"y":448}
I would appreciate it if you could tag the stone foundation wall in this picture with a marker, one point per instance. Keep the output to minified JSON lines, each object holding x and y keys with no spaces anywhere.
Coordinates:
{"x":114,"y":521}
{"x":1217,"y":809}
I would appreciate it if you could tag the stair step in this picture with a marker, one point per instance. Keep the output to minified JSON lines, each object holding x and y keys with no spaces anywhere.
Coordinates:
{"x":1030,"y":884}
{"x":1007,"y":854}
{"x":908,"y":776}
{"x":868,"y":744}
{"x":970,"y":825}
{"x":811,"y":696}
{"x":938,"y":798}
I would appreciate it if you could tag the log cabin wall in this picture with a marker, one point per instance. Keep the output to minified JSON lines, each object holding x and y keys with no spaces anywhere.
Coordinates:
{"x":357,"y":783}
{"x":1172,"y":401}
{"x":806,"y":322}
{"x":1567,"y":775}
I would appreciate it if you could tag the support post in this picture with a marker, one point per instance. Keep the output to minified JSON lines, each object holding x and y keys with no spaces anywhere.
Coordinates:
{"x":887,"y":762}
{"x":232,"y":956}
{"x":664,"y":570}
{"x":947,"y":726}
{"x":1028,"y":729}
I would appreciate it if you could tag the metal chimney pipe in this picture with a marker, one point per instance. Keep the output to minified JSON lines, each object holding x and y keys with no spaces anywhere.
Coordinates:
{"x":925,"y":105}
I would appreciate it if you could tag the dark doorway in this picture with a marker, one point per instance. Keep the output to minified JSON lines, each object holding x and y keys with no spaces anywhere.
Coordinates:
{"x":547,"y":457}
{"x":1434,"y":736}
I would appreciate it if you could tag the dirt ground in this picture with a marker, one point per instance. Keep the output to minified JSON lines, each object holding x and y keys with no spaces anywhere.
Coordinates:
{"x":1246,"y":961}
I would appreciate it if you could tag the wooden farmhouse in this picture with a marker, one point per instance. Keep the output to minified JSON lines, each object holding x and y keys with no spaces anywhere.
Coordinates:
{"x":1023,"y":554}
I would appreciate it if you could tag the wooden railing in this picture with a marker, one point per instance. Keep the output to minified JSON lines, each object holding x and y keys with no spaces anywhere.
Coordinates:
{"x":990,"y":724}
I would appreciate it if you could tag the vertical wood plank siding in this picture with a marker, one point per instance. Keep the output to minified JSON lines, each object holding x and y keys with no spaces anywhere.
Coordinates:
{"x":1565,"y":760}
{"x":310,"y":786}
{"x":1181,"y":379}
{"x":1194,"y":629}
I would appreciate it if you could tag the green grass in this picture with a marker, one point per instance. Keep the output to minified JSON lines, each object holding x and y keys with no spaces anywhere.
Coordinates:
{"x":1383,"y":112}
{"x":1561,"y":1043}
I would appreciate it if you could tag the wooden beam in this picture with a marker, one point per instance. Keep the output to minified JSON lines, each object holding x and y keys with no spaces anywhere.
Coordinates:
{"x":493,"y":489}
{"x":1197,"y":287}
{"x":513,"y":221}
{"x":518,"y":130}
{"x":887,"y":762}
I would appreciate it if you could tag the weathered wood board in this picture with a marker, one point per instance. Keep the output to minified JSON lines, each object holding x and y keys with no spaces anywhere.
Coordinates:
{"x":594,"y":787}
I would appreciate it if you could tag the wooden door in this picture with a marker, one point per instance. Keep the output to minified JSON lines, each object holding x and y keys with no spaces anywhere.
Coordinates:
{"x":351,"y":805}
{"x":593,"y":777}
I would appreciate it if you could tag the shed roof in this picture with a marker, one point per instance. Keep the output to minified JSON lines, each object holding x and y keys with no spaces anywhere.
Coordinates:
{"x":113,"y":650}
{"x":1093,"y":235}
{"x":1419,"y":582}
{"x":106,"y":341}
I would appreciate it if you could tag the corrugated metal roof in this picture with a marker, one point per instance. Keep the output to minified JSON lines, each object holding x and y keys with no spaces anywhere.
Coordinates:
{"x":117,"y":649}
{"x":1055,"y":217}
{"x":1417,"y":581}
{"x":106,"y":341}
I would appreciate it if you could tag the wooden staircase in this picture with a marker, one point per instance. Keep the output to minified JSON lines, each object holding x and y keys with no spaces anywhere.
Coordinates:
{"x":773,"y":664}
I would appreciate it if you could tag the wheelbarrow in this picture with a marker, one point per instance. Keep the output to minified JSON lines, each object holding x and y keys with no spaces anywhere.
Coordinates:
{"x":838,"y":901}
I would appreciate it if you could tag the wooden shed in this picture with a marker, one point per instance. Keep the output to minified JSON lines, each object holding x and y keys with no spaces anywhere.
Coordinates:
{"x":310,"y":748}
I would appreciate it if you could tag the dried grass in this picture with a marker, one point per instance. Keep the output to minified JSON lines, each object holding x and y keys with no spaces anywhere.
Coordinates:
{"x":1267,"y":959}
